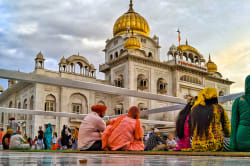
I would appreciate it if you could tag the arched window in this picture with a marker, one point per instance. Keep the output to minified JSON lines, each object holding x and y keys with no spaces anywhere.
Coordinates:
{"x":19,"y":105}
{"x":25,"y":105}
{"x":40,"y":64}
{"x":72,"y":67}
{"x":64,"y":68}
{"x":101,"y":102}
{"x":150,"y":55}
{"x":185,"y":55}
{"x":50,"y":103}
{"x":78,"y":103}
{"x":142,"y":82}
{"x":162,"y":86}
{"x":119,"y":82}
{"x":119,"y":109}
{"x":116,"y":54}
{"x":78,"y":68}
{"x":86,"y":70}
{"x":10,"y":104}
{"x":31,"y":103}
{"x":111,"y":57}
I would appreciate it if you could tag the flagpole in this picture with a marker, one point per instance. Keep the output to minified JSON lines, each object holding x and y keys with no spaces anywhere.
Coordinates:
{"x":179,"y":36}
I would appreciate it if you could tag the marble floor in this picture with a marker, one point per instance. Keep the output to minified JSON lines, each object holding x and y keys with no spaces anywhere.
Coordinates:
{"x":65,"y":159}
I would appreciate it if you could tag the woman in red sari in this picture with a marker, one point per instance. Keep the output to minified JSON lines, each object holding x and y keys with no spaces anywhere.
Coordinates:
{"x":124,"y":133}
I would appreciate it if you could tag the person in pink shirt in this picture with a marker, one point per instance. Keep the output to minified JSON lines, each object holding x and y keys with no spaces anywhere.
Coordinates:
{"x":91,"y":128}
{"x":1,"y":135}
{"x":124,"y":133}
{"x":183,"y":127}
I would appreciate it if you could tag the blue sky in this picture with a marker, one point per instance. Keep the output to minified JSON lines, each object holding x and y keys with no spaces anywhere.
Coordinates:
{"x":62,"y":28}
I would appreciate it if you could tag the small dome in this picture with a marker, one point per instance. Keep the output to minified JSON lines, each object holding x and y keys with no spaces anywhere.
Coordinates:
{"x":211,"y":66}
{"x":1,"y":88}
{"x":173,"y":48}
{"x":132,"y":43}
{"x":131,"y":20}
{"x":63,"y":61}
{"x":39,"y":55}
{"x":92,"y":67}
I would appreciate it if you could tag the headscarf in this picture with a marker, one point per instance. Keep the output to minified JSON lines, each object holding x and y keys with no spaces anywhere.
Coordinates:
{"x":247,"y":89}
{"x":48,"y":136}
{"x":9,"y":131}
{"x":205,"y":94}
{"x":114,"y":123}
{"x":100,"y":109}
{"x":18,"y":131}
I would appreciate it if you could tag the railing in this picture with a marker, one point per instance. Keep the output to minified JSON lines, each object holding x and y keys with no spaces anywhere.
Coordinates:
{"x":36,"y":78}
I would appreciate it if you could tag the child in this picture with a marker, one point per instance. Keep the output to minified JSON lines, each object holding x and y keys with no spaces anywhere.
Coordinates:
{"x":54,"y":141}
{"x":171,"y":143}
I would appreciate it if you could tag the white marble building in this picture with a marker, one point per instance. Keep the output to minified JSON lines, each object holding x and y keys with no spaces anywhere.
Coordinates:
{"x":132,"y":60}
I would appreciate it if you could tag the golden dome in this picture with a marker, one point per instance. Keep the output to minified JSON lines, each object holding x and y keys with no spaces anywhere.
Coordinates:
{"x":132,"y":43}
{"x":211,"y":66}
{"x":133,"y":21}
{"x":187,"y":47}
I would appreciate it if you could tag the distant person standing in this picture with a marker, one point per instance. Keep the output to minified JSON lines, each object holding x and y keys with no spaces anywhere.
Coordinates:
{"x":48,"y":136}
{"x":40,"y":137}
{"x":1,"y":135}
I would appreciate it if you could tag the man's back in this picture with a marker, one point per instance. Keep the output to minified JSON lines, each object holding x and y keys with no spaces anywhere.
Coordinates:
{"x":90,"y":130}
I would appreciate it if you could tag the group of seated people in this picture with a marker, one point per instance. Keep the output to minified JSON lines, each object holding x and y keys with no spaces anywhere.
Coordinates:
{"x":14,"y":140}
{"x":203,"y":125}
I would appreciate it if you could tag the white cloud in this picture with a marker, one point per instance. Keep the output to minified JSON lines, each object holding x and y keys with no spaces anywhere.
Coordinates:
{"x":97,"y":44}
{"x":26,"y":29}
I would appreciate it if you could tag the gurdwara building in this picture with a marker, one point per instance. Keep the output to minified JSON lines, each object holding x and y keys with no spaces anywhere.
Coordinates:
{"x":132,"y":61}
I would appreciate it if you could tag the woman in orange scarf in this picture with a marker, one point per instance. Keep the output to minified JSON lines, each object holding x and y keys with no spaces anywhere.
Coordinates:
{"x":124,"y":133}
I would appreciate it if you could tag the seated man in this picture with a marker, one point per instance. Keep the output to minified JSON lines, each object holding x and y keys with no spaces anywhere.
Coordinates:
{"x":124,"y":133}
{"x":7,"y":138}
{"x":90,"y":132}
{"x":18,"y":142}
{"x":155,"y":142}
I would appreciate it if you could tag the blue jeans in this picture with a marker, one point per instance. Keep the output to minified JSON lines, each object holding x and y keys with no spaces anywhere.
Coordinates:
{"x":40,"y":141}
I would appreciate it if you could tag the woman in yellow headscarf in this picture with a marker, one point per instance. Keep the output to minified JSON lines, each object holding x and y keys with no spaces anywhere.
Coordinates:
{"x":208,"y":122}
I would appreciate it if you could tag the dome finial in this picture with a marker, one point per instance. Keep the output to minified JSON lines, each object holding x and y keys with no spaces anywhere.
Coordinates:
{"x":209,"y":59}
{"x":131,"y":6}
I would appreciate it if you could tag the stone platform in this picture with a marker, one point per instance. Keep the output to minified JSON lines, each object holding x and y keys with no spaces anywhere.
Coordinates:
{"x":64,"y":159}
